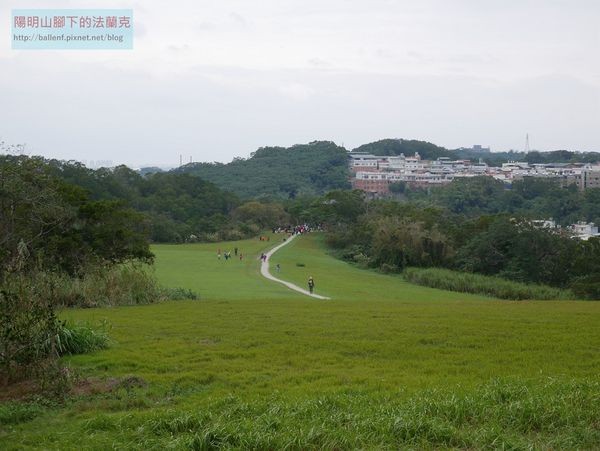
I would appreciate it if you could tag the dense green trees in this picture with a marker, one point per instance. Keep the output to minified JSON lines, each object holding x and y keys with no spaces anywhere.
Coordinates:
{"x":278,"y":172}
{"x":398,"y":243}
{"x":176,"y":205}
{"x":531,"y":197}
{"x":46,"y":222}
{"x":262,"y":215}
{"x":408,"y":147}
{"x":51,"y":230}
{"x":391,"y":236}
{"x":519,"y":251}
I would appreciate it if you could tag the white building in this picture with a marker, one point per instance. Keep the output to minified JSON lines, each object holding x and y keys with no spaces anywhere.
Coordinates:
{"x":584,"y":231}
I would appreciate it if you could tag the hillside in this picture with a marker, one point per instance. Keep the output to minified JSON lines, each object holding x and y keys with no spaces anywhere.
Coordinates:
{"x":176,"y":205}
{"x":383,"y":365}
{"x":304,"y":169}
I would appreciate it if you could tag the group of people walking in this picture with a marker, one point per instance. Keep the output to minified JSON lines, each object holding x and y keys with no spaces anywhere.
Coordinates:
{"x":297,"y":229}
{"x":227,"y":254}
{"x":263,"y":257}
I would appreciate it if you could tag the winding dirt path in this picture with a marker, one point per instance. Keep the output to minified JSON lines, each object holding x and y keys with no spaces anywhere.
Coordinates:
{"x":264,"y":270}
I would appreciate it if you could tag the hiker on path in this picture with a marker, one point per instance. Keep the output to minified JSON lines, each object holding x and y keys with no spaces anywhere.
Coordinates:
{"x":311,"y":284}
{"x":278,"y":267}
{"x":235,"y":251}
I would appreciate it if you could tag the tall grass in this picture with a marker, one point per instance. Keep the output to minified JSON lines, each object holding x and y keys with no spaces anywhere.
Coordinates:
{"x":78,"y":338}
{"x":121,"y":285}
{"x":503,"y":414}
{"x":103,"y":287}
{"x":445,"y":279}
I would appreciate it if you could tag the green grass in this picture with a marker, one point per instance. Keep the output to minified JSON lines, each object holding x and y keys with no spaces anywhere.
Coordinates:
{"x":497,"y":287}
{"x":196,"y":267}
{"x":383,"y":364}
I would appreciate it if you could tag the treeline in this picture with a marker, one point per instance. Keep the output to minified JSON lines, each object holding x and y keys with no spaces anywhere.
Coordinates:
{"x":532,"y":197}
{"x":278,"y":172}
{"x":408,"y":147}
{"x":391,"y":236}
{"x":172,"y":206}
{"x":175,"y":205}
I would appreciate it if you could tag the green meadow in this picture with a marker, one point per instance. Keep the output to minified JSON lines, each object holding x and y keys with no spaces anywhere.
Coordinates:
{"x":384,"y":364}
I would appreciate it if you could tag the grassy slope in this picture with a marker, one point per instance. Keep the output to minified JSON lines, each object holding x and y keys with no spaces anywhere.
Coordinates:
{"x":196,"y":266}
{"x":251,"y":349}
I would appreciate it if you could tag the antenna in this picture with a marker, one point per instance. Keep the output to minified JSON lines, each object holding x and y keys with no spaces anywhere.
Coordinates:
{"x":180,"y":160}
{"x":527,"y":149}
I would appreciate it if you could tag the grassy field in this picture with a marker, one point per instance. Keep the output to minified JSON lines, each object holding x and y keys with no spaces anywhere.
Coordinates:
{"x":383,"y":364}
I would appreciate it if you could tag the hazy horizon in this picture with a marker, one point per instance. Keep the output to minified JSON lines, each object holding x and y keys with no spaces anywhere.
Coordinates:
{"x":216,"y":81}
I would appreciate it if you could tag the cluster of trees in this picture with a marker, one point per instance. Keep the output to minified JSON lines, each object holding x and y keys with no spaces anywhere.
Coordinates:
{"x":391,"y":236}
{"x":176,"y":205}
{"x":46,"y":222}
{"x":280,"y":173}
{"x":51,"y":230}
{"x":173,"y":206}
{"x":532,"y":197}
{"x":391,"y":147}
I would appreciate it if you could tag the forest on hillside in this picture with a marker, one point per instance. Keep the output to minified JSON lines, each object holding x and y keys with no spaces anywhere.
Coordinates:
{"x":278,"y":172}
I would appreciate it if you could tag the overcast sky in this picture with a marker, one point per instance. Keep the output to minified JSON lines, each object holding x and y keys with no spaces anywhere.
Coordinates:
{"x":218,"y":79}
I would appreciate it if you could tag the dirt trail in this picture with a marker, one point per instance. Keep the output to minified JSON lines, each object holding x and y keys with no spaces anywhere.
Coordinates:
{"x":264,"y":270}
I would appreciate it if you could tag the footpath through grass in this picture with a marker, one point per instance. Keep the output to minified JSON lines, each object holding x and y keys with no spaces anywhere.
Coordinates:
{"x":384,"y":364}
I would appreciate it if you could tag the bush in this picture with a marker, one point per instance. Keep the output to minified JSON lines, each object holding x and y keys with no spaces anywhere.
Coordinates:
{"x":28,"y":326}
{"x":445,"y":279}
{"x":81,"y":338}
{"x":121,"y":285}
{"x":587,"y":287}
{"x":16,"y":412}
{"x":176,"y":294}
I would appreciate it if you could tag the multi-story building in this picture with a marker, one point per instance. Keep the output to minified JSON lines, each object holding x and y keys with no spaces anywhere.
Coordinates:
{"x":584,"y":231}
{"x":417,"y":172}
{"x":588,"y":179}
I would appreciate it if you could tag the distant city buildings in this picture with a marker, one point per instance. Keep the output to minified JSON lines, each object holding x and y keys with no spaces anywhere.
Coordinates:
{"x":477,"y":148}
{"x":374,"y":174}
{"x":97,"y":164}
{"x":583,"y":230}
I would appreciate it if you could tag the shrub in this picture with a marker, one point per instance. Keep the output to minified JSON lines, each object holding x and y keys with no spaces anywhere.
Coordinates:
{"x":16,"y":412}
{"x":178,"y":293}
{"x":28,"y":327}
{"x":445,"y":279}
{"x":120,"y":285}
{"x":587,"y":287}
{"x":81,"y":338}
